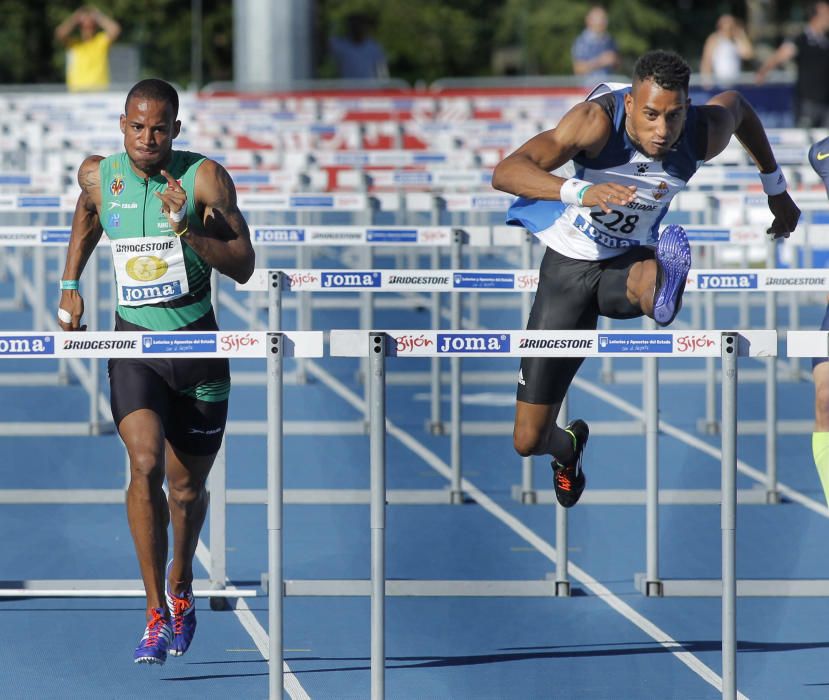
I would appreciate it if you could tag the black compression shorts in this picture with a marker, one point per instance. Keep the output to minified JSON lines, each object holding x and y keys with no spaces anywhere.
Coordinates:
{"x":166,"y":387}
{"x":571,"y":295}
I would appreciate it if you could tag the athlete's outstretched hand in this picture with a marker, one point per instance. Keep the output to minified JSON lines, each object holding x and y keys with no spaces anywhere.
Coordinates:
{"x":786,"y":214}
{"x":173,"y":200}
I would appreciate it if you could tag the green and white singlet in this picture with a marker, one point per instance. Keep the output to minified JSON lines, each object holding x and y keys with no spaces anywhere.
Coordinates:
{"x":163,"y":285}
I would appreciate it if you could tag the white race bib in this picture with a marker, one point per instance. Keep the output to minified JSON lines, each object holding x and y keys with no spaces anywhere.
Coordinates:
{"x":149,"y":270}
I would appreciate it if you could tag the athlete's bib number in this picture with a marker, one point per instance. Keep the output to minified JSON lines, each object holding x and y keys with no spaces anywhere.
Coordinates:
{"x":616,"y":221}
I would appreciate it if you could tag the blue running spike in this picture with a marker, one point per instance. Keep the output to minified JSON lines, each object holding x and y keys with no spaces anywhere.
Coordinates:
{"x":152,"y":649}
{"x":183,"y":616}
{"x":673,"y":260}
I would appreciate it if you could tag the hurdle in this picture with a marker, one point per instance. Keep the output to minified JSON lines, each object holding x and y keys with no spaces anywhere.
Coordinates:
{"x":377,"y":345}
{"x":272,"y":346}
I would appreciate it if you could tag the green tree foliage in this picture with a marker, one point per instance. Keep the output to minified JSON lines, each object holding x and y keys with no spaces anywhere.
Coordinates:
{"x":160,"y":29}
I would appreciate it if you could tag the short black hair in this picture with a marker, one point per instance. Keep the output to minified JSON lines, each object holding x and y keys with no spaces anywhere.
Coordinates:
{"x":154,"y":89}
{"x":666,"y":68}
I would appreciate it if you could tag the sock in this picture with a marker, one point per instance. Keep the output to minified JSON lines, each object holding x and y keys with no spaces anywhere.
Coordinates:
{"x":820,"y":450}
{"x":563,"y":445}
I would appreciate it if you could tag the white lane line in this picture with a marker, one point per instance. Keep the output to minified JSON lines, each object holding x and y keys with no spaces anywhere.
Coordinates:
{"x":257,"y":633}
{"x":657,"y":634}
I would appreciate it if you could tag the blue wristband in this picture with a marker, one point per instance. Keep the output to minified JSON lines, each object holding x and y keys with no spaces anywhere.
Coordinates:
{"x":68,"y":284}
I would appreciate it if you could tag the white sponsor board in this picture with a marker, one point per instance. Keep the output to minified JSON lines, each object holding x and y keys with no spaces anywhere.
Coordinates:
{"x":348,"y":343}
{"x":174,"y":344}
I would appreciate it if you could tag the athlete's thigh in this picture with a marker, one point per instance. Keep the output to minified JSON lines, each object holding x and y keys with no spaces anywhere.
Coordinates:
{"x":136,"y":384}
{"x":612,"y":290}
{"x":565,"y":300}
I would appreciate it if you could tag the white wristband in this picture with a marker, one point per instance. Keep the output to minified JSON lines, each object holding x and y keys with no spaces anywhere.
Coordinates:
{"x":177,"y":216}
{"x":64,"y":316}
{"x":774,"y":182}
{"x":572,"y":191}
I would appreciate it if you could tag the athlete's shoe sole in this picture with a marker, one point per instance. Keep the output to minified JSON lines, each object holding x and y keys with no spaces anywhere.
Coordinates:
{"x":673,"y":260}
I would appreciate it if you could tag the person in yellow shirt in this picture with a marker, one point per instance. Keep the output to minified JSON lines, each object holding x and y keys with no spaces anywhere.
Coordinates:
{"x":87,"y":51}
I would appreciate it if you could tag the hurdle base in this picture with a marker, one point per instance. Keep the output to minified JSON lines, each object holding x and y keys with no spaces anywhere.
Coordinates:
{"x":435,"y":427}
{"x":773,"y":497}
{"x":526,"y":497}
{"x":425,"y":588}
{"x":107,"y":588}
{"x":747,"y":588}
{"x":708,"y":427}
{"x":650,"y":588}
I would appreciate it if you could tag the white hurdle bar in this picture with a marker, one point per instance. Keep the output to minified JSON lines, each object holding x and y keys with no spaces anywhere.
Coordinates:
{"x":456,"y":343}
{"x":214,"y":344}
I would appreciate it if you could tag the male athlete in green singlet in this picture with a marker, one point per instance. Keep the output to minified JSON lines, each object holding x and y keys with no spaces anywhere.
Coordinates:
{"x":171,"y":217}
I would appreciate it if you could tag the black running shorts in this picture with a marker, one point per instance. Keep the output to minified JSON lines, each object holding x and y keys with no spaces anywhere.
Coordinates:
{"x":166,"y":387}
{"x":571,"y":295}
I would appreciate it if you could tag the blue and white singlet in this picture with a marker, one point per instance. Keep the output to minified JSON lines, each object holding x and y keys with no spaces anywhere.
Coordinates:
{"x":586,"y":233}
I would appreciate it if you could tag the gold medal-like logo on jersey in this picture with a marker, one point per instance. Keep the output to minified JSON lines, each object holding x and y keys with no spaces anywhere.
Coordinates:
{"x":660,"y":191}
{"x":116,"y":187}
{"x":146,"y":268}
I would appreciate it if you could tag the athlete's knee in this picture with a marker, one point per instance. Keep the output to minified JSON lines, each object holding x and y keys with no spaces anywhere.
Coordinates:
{"x":186,"y":492}
{"x":147,"y":465}
{"x":527,"y":439}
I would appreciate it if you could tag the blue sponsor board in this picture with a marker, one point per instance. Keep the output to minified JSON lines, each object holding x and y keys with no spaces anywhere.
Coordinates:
{"x":298,"y":201}
{"x":351,"y":279}
{"x":178,"y":342}
{"x":382,"y":235}
{"x":412,"y":177}
{"x":243,"y":178}
{"x":709,"y":235}
{"x":483,"y":280}
{"x":32,"y":202}
{"x":27,"y":345}
{"x":55,"y":235}
{"x":429,"y":158}
{"x":278,"y":235}
{"x":15,"y":179}
{"x":634,"y":342}
{"x":727,"y":281}
{"x":151,"y":292}
{"x":473,"y":343}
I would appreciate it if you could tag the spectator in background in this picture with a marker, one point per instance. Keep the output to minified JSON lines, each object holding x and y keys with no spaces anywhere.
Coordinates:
{"x":87,"y":55}
{"x":358,"y":55}
{"x":810,"y":51}
{"x":724,"y":51}
{"x":594,"y":51}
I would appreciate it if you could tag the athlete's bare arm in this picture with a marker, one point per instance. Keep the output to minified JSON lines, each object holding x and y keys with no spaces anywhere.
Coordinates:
{"x":86,"y":232}
{"x":225,"y":244}
{"x":525,"y":173}
{"x":730,"y":114}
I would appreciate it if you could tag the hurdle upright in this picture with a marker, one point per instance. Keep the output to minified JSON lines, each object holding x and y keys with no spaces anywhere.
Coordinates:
{"x":728,"y":345}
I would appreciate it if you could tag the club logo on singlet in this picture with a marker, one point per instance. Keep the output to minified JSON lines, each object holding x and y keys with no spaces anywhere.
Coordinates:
{"x":116,"y":187}
{"x":146,"y":268}
{"x":660,"y":191}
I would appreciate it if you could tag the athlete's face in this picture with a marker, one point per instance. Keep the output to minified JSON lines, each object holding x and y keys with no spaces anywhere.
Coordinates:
{"x":149,"y":128}
{"x":655,"y":117}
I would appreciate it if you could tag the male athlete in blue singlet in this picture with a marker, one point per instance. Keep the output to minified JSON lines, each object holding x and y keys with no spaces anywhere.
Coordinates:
{"x":171,"y":217}
{"x":633,"y":147}
{"x":819,"y":160}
